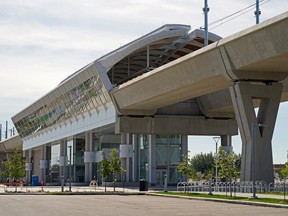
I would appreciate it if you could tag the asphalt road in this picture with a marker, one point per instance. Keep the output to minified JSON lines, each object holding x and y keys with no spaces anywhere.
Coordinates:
{"x":136,"y":205}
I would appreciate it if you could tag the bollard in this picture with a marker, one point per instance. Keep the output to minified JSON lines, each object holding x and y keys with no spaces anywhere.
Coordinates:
{"x":210,"y":187}
{"x":42,"y":186}
{"x":165,"y":183}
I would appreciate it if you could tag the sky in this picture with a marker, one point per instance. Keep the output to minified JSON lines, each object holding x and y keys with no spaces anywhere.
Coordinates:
{"x":44,"y":41}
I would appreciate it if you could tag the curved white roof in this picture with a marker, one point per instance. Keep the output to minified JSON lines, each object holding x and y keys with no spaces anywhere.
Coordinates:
{"x":89,"y":87}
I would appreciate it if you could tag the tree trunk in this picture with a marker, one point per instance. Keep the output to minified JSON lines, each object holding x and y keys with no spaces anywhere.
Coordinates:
{"x":230,"y":187}
{"x":114,"y":181}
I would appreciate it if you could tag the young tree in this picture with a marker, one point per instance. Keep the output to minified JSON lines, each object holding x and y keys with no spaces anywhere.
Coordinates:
{"x":284,"y":176}
{"x":185,"y":168}
{"x":115,"y":165}
{"x":226,"y":163}
{"x":105,"y":168}
{"x":15,"y":168}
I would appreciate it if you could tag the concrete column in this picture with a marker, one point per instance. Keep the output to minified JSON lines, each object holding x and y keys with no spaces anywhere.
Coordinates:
{"x":256,"y":131}
{"x":28,"y":165}
{"x":63,"y":160}
{"x":88,"y":156}
{"x":126,"y":160}
{"x":226,"y":143}
{"x":184,"y":145}
{"x":43,"y":164}
{"x":184,"y":150}
{"x":134,"y":158}
{"x":152,"y":159}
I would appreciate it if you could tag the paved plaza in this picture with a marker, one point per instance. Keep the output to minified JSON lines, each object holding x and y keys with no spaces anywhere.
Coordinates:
{"x":134,"y":205}
{"x":134,"y":189}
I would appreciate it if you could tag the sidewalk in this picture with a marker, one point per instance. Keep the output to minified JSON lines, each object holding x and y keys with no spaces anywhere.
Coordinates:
{"x":118,"y":189}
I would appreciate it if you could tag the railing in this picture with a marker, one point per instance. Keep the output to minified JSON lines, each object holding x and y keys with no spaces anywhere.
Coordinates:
{"x":235,"y":187}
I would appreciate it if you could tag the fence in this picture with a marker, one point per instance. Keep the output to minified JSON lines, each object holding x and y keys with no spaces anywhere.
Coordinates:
{"x":235,"y":187}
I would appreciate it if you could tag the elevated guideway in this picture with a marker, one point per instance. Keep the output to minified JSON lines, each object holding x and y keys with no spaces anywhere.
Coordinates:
{"x":228,"y":78}
{"x":242,"y":56}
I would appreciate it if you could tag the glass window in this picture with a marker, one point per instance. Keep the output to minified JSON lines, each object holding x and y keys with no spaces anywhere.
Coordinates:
{"x":143,"y":154}
{"x":54,"y":166}
{"x":161,"y":155}
{"x":173,"y":175}
{"x":175,"y":154}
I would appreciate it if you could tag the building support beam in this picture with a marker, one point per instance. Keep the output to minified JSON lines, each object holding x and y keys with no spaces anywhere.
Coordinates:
{"x":88,"y":156}
{"x":184,"y":151}
{"x":126,"y":155}
{"x":28,"y":165}
{"x":135,"y":159}
{"x":63,"y":160}
{"x":43,"y":164}
{"x":186,"y":125}
{"x":152,"y":159}
{"x":256,"y":130}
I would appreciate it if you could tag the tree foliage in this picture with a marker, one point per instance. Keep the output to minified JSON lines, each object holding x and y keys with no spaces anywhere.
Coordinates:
{"x":105,"y":168}
{"x":227,"y":165}
{"x":199,"y":166}
{"x":115,"y":165}
{"x":284,"y":176}
{"x":185,"y":168}
{"x":284,"y":172}
{"x":15,"y":168}
{"x":111,"y":167}
{"x":203,"y":163}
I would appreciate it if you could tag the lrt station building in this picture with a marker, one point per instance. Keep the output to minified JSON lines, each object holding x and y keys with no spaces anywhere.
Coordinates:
{"x":82,"y":117}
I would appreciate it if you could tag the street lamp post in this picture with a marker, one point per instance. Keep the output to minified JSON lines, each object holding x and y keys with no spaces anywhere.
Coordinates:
{"x":70,"y":167}
{"x":216,"y":139}
{"x":206,"y":10}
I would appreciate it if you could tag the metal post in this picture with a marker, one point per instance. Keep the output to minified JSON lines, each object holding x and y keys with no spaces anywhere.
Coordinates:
{"x":216,"y":139}
{"x":206,"y":10}
{"x":6,"y":131}
{"x":62,"y":183}
{"x":1,"y":133}
{"x":257,"y":12}
{"x":70,"y":168}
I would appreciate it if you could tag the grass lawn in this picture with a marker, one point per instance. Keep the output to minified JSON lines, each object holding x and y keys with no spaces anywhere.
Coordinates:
{"x":217,"y":196}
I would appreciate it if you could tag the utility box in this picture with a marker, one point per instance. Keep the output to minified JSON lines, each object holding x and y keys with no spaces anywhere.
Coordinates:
{"x":35,"y":180}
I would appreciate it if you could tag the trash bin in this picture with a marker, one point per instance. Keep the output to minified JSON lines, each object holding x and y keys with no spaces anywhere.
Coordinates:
{"x":143,"y":185}
{"x":35,"y":181}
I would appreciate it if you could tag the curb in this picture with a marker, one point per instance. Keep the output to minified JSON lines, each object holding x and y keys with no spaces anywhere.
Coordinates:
{"x":223,"y":200}
{"x":74,"y":193}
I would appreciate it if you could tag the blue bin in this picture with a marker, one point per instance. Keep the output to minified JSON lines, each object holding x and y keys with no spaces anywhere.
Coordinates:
{"x":35,"y":181}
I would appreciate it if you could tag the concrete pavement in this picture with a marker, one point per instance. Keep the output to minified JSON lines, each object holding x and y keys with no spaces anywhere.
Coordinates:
{"x":102,"y":205}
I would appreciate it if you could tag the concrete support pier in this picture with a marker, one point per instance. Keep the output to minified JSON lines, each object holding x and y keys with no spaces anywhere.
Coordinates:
{"x":256,"y":130}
